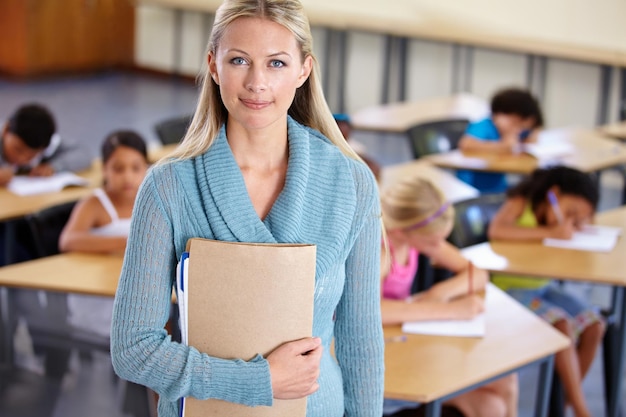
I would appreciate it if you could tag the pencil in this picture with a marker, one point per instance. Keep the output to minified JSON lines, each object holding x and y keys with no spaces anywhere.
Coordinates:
{"x":470,"y":277}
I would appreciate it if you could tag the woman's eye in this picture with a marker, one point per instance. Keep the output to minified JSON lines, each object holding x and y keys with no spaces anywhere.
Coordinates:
{"x":238,"y":61}
{"x":277,"y":64}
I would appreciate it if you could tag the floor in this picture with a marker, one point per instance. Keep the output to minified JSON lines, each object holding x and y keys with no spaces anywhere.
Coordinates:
{"x":89,"y":107}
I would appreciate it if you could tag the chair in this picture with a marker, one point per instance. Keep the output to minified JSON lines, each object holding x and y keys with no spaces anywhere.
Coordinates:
{"x":436,"y":137}
{"x":472,"y":218}
{"x":172,"y":131}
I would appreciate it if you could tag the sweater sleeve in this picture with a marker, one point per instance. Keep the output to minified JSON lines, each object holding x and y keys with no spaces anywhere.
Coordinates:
{"x":141,"y":349}
{"x":359,"y":344}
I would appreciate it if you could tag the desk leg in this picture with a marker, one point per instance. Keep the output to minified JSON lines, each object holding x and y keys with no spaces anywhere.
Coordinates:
{"x":618,"y":356}
{"x":433,"y":408}
{"x":546,"y":369}
{"x":6,"y":330}
{"x":9,"y":242}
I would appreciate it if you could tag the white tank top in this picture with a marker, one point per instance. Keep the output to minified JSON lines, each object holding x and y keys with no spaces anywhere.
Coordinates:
{"x":117,"y":227}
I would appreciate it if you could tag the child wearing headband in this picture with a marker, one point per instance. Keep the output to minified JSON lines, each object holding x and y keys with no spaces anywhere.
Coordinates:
{"x":418,"y":220}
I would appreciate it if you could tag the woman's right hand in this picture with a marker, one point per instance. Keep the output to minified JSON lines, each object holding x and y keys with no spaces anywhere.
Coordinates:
{"x":468,"y":306}
{"x":295,"y":367}
{"x":563,"y":230}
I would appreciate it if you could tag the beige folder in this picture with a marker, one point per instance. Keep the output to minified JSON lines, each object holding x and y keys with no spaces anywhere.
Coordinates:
{"x":246,"y":299}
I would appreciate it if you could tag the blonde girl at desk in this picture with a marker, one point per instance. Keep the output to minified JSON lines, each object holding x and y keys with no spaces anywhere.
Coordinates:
{"x":553,"y":203}
{"x":100,"y":223}
{"x":418,"y":220}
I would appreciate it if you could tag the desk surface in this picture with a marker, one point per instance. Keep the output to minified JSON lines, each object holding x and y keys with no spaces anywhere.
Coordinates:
{"x":535,"y":259}
{"x":425,"y":368}
{"x":615,"y":130}
{"x":593,"y":152}
{"x":453,"y":188}
{"x":14,"y":206}
{"x":68,"y":272}
{"x":400,"y":117}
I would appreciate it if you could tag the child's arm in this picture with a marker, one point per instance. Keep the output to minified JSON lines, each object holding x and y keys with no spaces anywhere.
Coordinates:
{"x":449,"y":257}
{"x":399,"y":311}
{"x":504,"y":226}
{"x":6,"y":174}
{"x":469,"y":143}
{"x":76,"y":235}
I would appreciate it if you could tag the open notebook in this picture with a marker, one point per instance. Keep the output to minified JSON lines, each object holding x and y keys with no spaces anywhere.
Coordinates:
{"x":24,"y":185}
{"x":591,"y":238}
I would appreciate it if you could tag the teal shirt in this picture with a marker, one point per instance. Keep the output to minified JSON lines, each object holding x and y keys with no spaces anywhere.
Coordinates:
{"x":328,"y":200}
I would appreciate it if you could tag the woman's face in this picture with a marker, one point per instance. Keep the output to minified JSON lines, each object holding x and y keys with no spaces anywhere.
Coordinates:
{"x":258,"y":67}
{"x":428,"y":242}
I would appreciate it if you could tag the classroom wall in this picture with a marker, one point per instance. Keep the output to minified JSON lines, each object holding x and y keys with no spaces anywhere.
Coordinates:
{"x":569,"y":90}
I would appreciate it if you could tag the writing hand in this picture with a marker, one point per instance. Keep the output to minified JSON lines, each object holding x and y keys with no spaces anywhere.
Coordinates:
{"x":295,"y":367}
{"x":468,"y":306}
{"x":6,"y":174}
{"x":564,"y":230}
{"x":42,"y":170}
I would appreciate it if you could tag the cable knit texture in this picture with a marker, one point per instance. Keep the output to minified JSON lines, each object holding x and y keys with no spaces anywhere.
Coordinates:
{"x":328,"y":200}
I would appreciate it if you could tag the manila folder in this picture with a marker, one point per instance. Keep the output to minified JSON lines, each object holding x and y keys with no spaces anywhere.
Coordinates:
{"x":247,"y":299}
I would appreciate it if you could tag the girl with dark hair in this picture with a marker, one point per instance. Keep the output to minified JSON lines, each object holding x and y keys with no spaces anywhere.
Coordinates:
{"x":553,"y":203}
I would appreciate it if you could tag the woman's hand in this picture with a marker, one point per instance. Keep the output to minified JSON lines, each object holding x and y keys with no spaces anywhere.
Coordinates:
{"x":295,"y":367}
{"x":6,"y":175}
{"x":564,"y":230}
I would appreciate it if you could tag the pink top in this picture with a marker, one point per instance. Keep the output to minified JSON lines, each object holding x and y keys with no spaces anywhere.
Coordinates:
{"x":397,"y":284}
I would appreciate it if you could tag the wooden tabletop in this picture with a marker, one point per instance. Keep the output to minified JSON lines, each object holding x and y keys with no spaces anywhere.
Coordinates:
{"x":453,"y":188}
{"x":535,"y":259}
{"x":15,"y":206}
{"x":68,"y":272}
{"x":614,"y":130}
{"x":425,"y":368}
{"x":400,"y":117}
{"x":592,"y":152}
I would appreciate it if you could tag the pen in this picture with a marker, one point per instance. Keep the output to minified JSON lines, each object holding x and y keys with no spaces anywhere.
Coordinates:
{"x":554,"y":203}
{"x":470,"y":277}
{"x":401,"y":338}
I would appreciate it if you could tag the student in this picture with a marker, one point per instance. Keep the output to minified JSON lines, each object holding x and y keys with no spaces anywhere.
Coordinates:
{"x":343,"y":121}
{"x":100,"y":223}
{"x":515,"y":118}
{"x":418,"y":220}
{"x":262,"y":161}
{"x":29,"y":144}
{"x":528,"y":215}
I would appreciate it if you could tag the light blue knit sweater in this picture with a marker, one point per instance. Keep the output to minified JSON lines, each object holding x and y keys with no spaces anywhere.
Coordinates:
{"x":328,"y":200}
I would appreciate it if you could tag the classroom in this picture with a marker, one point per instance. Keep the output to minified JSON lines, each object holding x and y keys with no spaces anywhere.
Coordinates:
{"x":411,"y":77}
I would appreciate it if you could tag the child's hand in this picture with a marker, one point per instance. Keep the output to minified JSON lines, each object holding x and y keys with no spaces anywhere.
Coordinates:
{"x":564,"y":230}
{"x":467,"y":307}
{"x":42,"y":170}
{"x":6,"y":174}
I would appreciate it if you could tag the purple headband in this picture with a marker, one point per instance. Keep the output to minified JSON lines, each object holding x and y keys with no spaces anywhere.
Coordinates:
{"x":430,"y":218}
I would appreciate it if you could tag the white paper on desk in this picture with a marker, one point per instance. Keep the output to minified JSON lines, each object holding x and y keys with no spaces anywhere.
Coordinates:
{"x":466,"y":161}
{"x":25,"y":185}
{"x":591,"y":238}
{"x":548,"y":151}
{"x":459,"y":328}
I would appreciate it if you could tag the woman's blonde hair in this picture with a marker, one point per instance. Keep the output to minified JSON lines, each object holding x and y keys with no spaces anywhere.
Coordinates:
{"x":309,"y":106}
{"x":416,"y":203}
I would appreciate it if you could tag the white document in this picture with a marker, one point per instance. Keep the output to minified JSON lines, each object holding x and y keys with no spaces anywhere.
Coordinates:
{"x":591,"y":238}
{"x":24,"y":185}
{"x":458,"y":328}
{"x":546,"y":151}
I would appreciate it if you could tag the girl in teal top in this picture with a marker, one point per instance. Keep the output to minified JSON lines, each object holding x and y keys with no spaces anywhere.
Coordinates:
{"x":263,"y":161}
{"x":528,"y":214}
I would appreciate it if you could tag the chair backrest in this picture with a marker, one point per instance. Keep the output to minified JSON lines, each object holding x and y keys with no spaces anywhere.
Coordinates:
{"x":436,"y":137}
{"x":46,"y":227}
{"x":173,"y":130}
{"x":472,"y":218}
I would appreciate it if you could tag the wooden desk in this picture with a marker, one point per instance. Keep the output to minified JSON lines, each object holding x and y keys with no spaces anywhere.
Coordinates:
{"x":593,"y":152}
{"x":69,"y":272}
{"x":432,"y":369}
{"x":614,"y":130}
{"x":453,"y":188}
{"x":400,"y":117}
{"x":534,"y":259}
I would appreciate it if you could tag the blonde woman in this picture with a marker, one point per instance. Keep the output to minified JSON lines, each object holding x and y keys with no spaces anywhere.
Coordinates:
{"x":263,"y":161}
{"x":418,"y":220}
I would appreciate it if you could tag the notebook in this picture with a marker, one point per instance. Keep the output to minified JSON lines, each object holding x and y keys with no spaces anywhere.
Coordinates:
{"x":25,"y":185}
